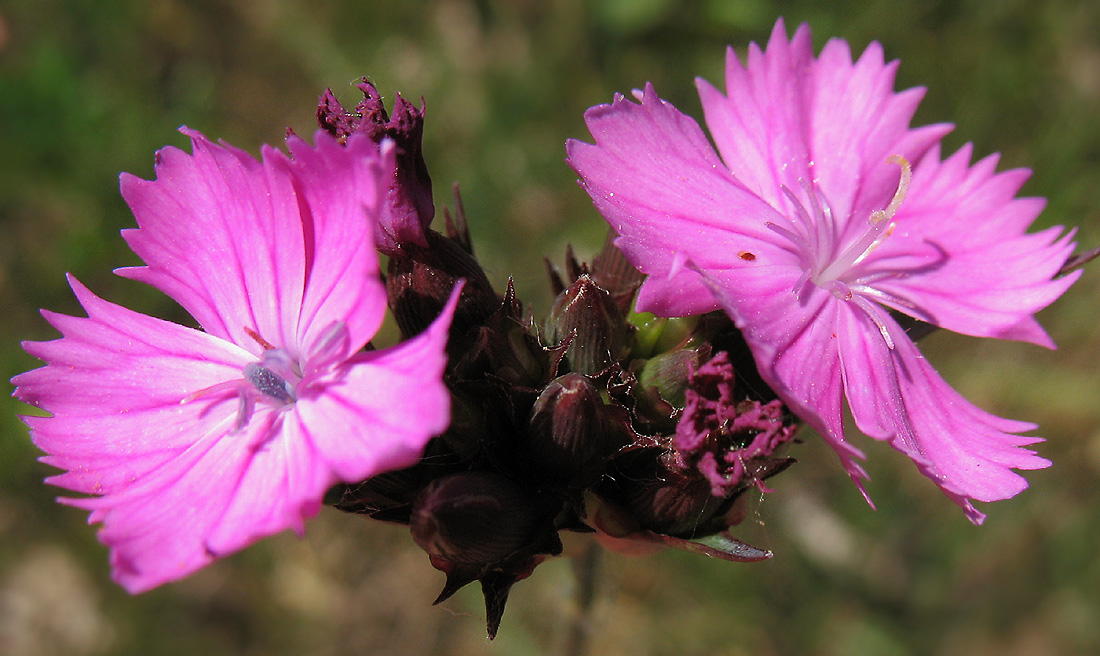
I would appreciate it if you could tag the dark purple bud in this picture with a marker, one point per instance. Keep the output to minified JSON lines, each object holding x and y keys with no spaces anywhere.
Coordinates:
{"x":661,"y":496}
{"x":409,"y":208}
{"x":504,"y":352}
{"x":420,"y":280}
{"x":599,"y":332}
{"x":481,"y":526}
{"x":612,"y":271}
{"x":573,"y":432}
{"x":387,"y":496}
{"x":458,"y":229}
{"x":475,"y":518}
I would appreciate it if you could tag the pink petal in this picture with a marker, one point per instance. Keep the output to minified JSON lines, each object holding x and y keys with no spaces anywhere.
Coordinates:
{"x":233,"y":239}
{"x":759,"y":124}
{"x":280,"y":486}
{"x":967,"y":263}
{"x":787,"y":118}
{"x":382,"y":407}
{"x":858,"y":121}
{"x":222,"y":235}
{"x":374,"y":413}
{"x":345,"y":185}
{"x":656,"y":179}
{"x":164,"y":470}
{"x":794,"y":343}
{"x":114,"y":385}
{"x":157,"y":529}
{"x":895,"y":395}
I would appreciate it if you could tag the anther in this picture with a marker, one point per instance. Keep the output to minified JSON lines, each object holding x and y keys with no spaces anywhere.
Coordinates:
{"x":269,"y":383}
{"x":259,"y":340}
{"x":878,"y":216}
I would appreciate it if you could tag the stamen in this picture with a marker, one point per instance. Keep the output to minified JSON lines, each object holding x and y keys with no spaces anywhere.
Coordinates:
{"x":880,"y":228}
{"x":330,"y":347}
{"x":795,"y":239}
{"x":813,"y":230}
{"x":806,"y":222}
{"x":878,"y":216}
{"x":869,"y":309}
{"x":259,"y":340}
{"x":219,"y":388}
{"x":269,"y":383}
{"x":821,"y":222}
{"x":244,"y":411}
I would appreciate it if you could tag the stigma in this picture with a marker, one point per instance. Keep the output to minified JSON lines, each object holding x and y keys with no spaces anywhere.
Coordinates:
{"x":880,"y":225}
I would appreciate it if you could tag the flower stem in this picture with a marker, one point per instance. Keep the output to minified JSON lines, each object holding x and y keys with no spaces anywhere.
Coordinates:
{"x":585,"y":571}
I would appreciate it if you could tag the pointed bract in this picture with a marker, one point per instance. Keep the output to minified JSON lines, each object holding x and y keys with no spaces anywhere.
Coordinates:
{"x":825,"y":209}
{"x":194,"y":444}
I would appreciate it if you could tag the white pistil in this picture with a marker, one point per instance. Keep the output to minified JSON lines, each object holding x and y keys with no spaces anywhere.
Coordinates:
{"x":881,"y":226}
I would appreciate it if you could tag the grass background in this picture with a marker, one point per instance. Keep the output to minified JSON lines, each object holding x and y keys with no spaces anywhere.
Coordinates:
{"x":89,"y":89}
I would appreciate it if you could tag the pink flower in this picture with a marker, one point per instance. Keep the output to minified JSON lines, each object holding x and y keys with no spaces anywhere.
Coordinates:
{"x":813,"y":227}
{"x":196,"y":443}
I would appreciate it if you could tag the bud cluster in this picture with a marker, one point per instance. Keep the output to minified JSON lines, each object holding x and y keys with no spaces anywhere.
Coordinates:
{"x":643,"y":431}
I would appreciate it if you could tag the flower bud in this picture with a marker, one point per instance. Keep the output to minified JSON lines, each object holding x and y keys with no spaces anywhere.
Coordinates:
{"x":655,"y":334}
{"x":573,"y":432}
{"x":409,"y":209}
{"x":476,"y":518}
{"x":612,"y":271}
{"x":669,"y":372}
{"x":599,"y":332}
{"x":661,"y":496}
{"x":380,"y":493}
{"x":419,"y":282}
{"x":503,"y":350}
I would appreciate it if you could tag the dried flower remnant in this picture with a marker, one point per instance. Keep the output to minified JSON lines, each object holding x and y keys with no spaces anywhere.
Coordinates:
{"x":731,"y":443}
{"x":408,"y":207}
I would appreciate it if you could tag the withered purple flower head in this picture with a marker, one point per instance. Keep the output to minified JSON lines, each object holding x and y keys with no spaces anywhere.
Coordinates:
{"x":825,"y":212}
{"x":409,"y":207}
{"x":732,"y":444}
{"x":193,"y":444}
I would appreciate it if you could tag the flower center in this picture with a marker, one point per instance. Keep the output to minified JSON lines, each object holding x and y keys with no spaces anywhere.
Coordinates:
{"x":274,"y":378}
{"x":269,"y":382}
{"x":880,"y":227}
{"x":815,"y":234}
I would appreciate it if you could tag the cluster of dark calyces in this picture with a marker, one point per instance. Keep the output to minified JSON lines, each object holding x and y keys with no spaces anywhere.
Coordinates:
{"x":639,"y":430}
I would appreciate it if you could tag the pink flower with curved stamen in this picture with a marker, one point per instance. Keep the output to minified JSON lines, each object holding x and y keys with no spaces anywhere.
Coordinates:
{"x":195,"y":443}
{"x":825,"y":212}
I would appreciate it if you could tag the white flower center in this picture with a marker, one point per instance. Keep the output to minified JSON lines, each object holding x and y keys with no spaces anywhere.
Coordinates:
{"x":274,"y":378}
{"x":815,"y":234}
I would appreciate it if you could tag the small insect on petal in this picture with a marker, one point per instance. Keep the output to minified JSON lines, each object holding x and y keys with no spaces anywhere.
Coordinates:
{"x":747,"y":256}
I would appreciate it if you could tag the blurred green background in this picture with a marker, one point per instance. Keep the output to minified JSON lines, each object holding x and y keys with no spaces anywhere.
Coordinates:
{"x":90,"y":88}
